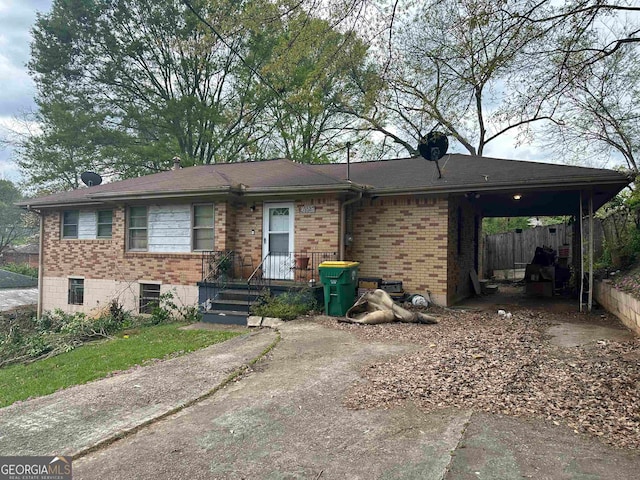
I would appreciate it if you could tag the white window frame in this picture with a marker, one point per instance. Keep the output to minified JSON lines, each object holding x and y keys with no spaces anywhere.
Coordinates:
{"x":130,"y":228}
{"x":194,"y":227}
{"x":63,"y":225}
{"x":98,"y":236}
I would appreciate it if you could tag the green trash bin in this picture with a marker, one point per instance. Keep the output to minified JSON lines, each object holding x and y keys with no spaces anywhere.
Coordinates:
{"x":339,"y":281}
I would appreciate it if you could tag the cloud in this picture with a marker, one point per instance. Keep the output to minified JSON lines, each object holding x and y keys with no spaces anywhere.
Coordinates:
{"x":17,"y":90}
{"x":16,"y":19}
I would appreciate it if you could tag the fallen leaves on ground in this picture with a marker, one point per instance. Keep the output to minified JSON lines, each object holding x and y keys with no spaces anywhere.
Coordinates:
{"x":508,"y":366}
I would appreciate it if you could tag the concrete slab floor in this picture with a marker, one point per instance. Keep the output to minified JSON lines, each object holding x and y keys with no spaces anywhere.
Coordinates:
{"x":572,"y":334}
{"x":76,"y":418}
{"x":509,"y":448}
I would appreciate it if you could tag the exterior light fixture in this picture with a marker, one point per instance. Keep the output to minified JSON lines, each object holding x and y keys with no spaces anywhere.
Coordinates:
{"x":517,"y":196}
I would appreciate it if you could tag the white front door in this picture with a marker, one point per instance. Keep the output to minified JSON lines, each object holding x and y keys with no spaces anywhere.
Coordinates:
{"x":277,"y":240}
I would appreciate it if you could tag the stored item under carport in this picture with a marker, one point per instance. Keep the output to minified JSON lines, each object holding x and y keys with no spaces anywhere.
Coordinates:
{"x":369,"y":283}
{"x":392,"y":286}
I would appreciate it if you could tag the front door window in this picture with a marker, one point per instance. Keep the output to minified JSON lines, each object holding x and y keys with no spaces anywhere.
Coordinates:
{"x":278,"y":240}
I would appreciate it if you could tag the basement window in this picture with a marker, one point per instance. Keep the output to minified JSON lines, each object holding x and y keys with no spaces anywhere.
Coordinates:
{"x":149,"y":297}
{"x":70,"y":220}
{"x":76,"y":291}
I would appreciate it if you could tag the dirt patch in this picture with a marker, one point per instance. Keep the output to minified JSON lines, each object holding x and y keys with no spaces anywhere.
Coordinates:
{"x":478,"y":360}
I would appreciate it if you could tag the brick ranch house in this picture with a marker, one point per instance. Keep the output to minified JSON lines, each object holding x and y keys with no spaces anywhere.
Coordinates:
{"x":135,"y":238}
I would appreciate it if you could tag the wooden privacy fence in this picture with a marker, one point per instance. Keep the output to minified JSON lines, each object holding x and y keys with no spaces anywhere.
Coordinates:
{"x":509,"y":250}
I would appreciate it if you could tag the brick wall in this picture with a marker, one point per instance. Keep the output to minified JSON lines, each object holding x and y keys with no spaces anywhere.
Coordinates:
{"x":238,"y":227}
{"x":463,"y":220}
{"x":314,"y":232}
{"x":18,"y":257}
{"x":222,"y":230}
{"x":108,"y":258}
{"x":248,"y":233}
{"x":109,"y":270}
{"x":99,"y":292}
{"x":318,"y":231}
{"x":402,"y":238}
{"x":620,"y":303}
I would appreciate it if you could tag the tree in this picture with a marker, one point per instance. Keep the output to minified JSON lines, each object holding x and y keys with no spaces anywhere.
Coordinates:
{"x":574,"y":20}
{"x":68,"y":140}
{"x":494,"y":225}
{"x":153,"y":77}
{"x":124,"y":85}
{"x":449,"y":68}
{"x":599,"y":116}
{"x":12,"y":218}
{"x":316,"y":72}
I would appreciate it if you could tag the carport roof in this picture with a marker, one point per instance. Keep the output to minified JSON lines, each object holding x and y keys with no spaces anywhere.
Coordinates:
{"x":546,"y":189}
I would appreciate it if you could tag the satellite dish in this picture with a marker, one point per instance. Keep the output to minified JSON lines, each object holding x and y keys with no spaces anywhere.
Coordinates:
{"x":433,"y":147}
{"x":91,"y":179}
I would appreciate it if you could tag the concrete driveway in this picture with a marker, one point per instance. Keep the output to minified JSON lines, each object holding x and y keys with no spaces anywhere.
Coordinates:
{"x":17,"y":297}
{"x":286,"y":419}
{"x":184,"y":419}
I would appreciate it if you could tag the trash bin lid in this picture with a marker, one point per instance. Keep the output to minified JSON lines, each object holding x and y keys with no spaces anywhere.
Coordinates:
{"x":338,"y":264}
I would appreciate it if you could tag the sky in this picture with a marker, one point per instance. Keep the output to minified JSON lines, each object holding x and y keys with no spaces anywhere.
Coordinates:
{"x":17,"y":89}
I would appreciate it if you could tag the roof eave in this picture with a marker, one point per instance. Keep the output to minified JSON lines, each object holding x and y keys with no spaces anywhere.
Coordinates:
{"x":310,"y":189}
{"x":99,"y":198}
{"x":127,"y":196}
{"x":34,"y":205}
{"x":480,"y":187}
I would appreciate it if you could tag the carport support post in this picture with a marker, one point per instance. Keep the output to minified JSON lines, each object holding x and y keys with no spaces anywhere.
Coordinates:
{"x":581,"y":254}
{"x":590,"y":250}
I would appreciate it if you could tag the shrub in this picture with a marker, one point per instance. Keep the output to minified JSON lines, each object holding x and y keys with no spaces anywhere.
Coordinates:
{"x":167,"y":310}
{"x":22,"y":269}
{"x":56,"y":332}
{"x":286,"y":306}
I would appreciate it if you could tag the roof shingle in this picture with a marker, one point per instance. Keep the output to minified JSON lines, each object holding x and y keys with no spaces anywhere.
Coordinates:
{"x":459,"y":172}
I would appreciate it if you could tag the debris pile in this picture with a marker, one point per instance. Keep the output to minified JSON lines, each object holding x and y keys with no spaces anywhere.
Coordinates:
{"x":377,"y":307}
{"x":508,"y":366}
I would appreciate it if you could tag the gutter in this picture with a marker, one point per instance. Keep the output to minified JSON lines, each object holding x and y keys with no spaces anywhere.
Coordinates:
{"x":98,"y":198}
{"x":343,"y":222}
{"x":163,"y":194}
{"x":488,"y":186}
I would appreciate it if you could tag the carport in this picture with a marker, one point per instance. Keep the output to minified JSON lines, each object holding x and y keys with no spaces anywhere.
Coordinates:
{"x":579,"y":198}
{"x":472,"y":188}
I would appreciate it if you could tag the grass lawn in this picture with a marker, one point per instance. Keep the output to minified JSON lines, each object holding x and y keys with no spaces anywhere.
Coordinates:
{"x":98,"y":359}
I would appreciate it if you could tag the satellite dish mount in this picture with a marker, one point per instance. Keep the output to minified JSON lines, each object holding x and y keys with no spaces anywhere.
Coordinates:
{"x":433,"y":147}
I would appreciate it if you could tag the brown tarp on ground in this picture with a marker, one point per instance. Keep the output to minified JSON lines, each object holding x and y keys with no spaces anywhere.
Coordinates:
{"x":377,"y":306}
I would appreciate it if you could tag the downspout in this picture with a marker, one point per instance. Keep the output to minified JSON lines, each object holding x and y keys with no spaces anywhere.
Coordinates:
{"x":40,"y":260}
{"x":343,"y":222}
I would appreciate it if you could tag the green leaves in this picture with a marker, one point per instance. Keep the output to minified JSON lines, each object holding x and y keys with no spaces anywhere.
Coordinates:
{"x":124,"y":85}
{"x":13,"y":225}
